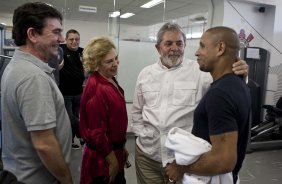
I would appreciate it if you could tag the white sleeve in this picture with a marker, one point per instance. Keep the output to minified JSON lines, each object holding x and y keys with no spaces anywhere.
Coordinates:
{"x":137,"y":108}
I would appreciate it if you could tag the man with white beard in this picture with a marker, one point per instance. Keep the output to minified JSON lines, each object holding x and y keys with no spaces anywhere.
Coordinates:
{"x":166,"y":96}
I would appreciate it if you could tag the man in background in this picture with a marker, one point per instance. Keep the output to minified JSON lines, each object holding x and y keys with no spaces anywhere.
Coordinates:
{"x":222,"y":116}
{"x":71,"y":80}
{"x":35,"y":125}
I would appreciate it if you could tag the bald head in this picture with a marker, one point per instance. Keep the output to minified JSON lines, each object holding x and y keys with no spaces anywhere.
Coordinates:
{"x":218,"y":50}
{"x":227,"y":36}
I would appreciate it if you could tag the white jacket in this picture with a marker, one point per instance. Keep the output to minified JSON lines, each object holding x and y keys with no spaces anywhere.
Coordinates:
{"x":165,"y":98}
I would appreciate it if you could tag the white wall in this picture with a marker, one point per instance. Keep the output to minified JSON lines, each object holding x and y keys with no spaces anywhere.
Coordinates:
{"x":252,"y":20}
{"x":276,"y":56}
{"x":250,"y":13}
{"x":218,"y":10}
{"x":267,"y":24}
{"x":89,"y":30}
{"x":6,"y":20}
{"x":277,"y":34}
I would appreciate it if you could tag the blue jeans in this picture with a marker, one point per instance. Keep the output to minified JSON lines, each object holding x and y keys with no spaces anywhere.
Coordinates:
{"x":72,"y":104}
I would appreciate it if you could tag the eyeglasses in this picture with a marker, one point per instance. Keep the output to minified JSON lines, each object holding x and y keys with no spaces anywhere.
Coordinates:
{"x":74,"y":39}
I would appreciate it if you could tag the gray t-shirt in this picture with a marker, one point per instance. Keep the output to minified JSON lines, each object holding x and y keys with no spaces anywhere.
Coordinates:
{"x":31,"y":101}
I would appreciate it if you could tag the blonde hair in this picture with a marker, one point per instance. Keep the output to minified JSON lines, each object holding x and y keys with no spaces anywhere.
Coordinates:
{"x":95,"y":51}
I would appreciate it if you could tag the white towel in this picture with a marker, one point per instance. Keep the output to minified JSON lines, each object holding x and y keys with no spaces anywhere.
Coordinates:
{"x":187,"y":149}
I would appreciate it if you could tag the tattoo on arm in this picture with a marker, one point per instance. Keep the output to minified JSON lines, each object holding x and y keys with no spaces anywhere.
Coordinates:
{"x":201,"y":163}
{"x":223,"y":138}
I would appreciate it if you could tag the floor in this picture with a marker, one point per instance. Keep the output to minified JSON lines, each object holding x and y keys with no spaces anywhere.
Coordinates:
{"x":260,"y":166}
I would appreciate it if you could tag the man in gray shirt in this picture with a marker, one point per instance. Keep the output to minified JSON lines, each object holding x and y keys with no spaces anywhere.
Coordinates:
{"x":36,"y":127}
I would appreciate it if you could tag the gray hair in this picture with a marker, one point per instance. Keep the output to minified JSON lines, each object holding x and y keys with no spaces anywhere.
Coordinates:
{"x":170,"y":27}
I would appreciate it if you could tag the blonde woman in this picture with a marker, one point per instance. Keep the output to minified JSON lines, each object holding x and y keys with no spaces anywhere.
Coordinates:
{"x":103,"y":117}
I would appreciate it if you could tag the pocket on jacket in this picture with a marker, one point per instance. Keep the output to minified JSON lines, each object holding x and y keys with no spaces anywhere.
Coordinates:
{"x":151,"y":93}
{"x":184,"y":93}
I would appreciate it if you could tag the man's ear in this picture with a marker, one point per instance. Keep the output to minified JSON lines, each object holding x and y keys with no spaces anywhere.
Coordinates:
{"x":32,"y":35}
{"x":221,"y":48}
{"x":157,"y":47}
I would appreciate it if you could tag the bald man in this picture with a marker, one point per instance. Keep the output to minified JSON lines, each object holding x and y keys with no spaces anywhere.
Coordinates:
{"x":221,"y":117}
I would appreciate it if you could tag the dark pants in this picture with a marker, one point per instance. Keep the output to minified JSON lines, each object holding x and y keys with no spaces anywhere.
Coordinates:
{"x":72,"y":104}
{"x":120,"y":179}
{"x":7,"y":177}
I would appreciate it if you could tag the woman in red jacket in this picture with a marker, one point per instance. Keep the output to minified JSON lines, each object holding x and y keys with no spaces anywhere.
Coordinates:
{"x":103,"y":117}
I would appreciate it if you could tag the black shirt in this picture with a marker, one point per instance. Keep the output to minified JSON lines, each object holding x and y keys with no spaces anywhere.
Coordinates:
{"x":72,"y":74}
{"x":225,"y":108}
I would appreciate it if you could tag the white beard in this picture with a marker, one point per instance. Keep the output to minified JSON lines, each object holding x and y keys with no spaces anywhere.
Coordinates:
{"x":171,"y":61}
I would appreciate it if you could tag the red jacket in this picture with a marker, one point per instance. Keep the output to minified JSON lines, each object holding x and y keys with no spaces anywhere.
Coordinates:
{"x":103,"y":121}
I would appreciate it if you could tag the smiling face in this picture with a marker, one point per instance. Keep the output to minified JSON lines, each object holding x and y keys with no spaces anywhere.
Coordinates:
{"x":207,"y":53}
{"x":72,"y":41}
{"x":109,"y":65}
{"x":171,"y":49}
{"x":47,"y":43}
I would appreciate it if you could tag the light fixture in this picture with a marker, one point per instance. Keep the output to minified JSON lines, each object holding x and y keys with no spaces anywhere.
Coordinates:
{"x":49,"y":4}
{"x":89,"y":9}
{"x":188,"y":35}
{"x":114,"y":14}
{"x":152,"y":3}
{"x":198,"y":20}
{"x":126,"y":15}
{"x":194,"y":35}
{"x":197,"y":34}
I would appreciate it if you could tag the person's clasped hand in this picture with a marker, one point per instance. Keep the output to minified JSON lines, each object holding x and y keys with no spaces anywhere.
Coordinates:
{"x":127,"y":163}
{"x":174,"y":172}
{"x":113,"y":166}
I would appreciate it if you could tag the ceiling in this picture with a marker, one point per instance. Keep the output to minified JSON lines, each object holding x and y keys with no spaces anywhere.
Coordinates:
{"x":143,"y":17}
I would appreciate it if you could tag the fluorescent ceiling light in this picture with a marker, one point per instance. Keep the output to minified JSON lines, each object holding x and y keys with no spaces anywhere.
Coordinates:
{"x":90,"y":9}
{"x":114,"y":14}
{"x":152,"y":3}
{"x":126,"y":15}
{"x":197,"y":35}
{"x":194,"y":35}
{"x":189,"y":35}
{"x":49,"y":4}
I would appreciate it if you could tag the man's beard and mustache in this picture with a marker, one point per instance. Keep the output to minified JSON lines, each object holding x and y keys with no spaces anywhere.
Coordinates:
{"x":172,"y":60}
